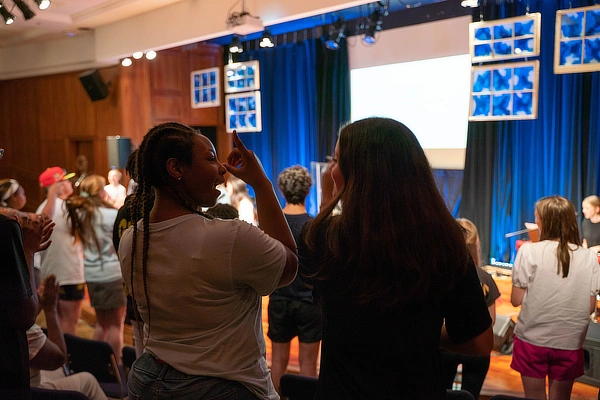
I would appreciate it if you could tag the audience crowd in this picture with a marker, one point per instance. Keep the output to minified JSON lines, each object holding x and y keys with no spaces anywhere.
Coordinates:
{"x":383,"y":288}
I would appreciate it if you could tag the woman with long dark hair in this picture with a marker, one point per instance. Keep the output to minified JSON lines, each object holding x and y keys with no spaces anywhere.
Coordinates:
{"x":390,"y":269}
{"x":198,"y":282}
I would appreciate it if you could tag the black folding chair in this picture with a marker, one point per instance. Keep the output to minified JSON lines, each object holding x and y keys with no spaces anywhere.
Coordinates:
{"x":298,"y":387}
{"x":97,"y":358}
{"x":50,"y":394}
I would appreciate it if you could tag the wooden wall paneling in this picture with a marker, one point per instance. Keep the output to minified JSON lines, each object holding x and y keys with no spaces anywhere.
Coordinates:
{"x":135,"y":98}
{"x":203,"y":56}
{"x":108,"y":119}
{"x":19,"y":137}
{"x":167,"y":86}
{"x":65,"y":107}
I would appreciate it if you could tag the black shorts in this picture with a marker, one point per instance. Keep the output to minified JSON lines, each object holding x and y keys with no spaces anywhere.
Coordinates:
{"x":291,"y":318}
{"x":71,"y":292}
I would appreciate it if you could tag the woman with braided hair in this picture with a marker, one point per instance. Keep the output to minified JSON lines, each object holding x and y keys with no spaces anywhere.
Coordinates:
{"x":197,"y":282}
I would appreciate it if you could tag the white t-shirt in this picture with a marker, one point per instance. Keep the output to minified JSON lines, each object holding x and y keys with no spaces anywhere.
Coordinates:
{"x":205,"y":280}
{"x":64,"y":257}
{"x":117,"y":193}
{"x":102,"y":267}
{"x":556,"y":311}
{"x":36,"y":339}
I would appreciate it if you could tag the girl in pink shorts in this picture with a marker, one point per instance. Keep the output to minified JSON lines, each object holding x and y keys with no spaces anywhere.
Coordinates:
{"x":555,"y":281}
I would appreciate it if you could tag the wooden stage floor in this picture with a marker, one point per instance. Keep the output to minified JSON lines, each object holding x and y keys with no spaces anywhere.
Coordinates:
{"x":501,"y":379}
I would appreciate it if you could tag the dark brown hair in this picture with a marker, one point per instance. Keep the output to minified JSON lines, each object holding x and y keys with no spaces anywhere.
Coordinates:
{"x":558,"y":221}
{"x":395,"y":240}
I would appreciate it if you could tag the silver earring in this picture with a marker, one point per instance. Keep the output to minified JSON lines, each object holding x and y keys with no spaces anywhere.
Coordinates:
{"x":179,"y":178}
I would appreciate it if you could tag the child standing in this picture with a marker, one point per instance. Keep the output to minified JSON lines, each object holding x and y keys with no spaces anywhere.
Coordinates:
{"x":556,"y":281}
{"x":590,"y":227}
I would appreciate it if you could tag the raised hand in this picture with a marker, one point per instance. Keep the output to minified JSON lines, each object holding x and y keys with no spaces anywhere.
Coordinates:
{"x":47,"y":229}
{"x":244,"y":164}
{"x":48,"y":294}
{"x":32,"y":233}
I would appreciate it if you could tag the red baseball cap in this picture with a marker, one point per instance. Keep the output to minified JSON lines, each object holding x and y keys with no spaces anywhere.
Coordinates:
{"x":52,"y":175}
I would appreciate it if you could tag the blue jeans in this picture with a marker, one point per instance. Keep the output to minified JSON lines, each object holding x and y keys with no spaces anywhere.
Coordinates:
{"x":152,"y":379}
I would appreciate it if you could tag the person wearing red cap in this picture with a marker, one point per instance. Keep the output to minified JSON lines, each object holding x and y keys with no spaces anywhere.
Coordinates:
{"x":64,"y":258}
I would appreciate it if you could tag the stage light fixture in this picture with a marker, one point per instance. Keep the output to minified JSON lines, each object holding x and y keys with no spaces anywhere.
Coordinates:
{"x":126,"y":62}
{"x":8,"y":17}
{"x":151,"y":55}
{"x":374,"y":25}
{"x":43,"y":4}
{"x":236,"y":45}
{"x":336,"y":34}
{"x":470,"y":3}
{"x":267,"y":39}
{"x":138,"y":54}
{"x":27,"y":13}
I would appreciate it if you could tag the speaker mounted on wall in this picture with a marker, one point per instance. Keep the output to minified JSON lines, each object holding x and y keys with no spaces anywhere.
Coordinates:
{"x":94,"y":85}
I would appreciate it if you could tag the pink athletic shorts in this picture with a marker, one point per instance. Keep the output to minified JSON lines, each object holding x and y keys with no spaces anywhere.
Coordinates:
{"x":537,"y":362}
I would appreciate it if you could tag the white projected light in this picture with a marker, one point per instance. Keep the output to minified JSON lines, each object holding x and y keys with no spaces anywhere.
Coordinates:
{"x":431,"y":97}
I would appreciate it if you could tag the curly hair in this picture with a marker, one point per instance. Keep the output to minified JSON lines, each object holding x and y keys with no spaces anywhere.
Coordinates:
{"x":295,"y":182}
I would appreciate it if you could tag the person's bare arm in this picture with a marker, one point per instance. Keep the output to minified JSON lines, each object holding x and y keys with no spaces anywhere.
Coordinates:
{"x":53,"y":193}
{"x":516,"y":296}
{"x":242,"y":163}
{"x":480,"y":345}
{"x":492,"y":310}
{"x":54,"y":353}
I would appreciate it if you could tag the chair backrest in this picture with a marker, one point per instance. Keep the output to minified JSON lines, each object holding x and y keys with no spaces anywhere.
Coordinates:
{"x":97,"y":358}
{"x":128,"y":356}
{"x":298,"y":387}
{"x":50,"y":394}
{"x":458,"y":395}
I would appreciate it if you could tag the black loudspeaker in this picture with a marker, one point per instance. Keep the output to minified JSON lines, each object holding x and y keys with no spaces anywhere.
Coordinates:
{"x":119,"y":149}
{"x":591,"y":356}
{"x":94,"y":85}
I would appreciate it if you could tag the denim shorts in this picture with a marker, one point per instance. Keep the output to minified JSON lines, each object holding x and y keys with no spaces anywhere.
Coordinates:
{"x":151,"y":379}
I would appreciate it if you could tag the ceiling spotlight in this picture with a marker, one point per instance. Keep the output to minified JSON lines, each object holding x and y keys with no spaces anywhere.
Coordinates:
{"x":27,"y":13}
{"x":236,"y":45}
{"x":267,"y":39}
{"x":126,"y":62}
{"x":374,"y":23}
{"x":8,"y":17}
{"x":336,"y":34}
{"x":151,"y":55}
{"x":470,"y":3}
{"x":43,"y":4}
{"x":138,"y":54}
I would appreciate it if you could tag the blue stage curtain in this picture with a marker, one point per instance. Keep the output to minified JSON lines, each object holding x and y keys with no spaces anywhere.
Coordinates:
{"x":449,"y":183}
{"x":295,"y":95}
{"x":558,"y":153}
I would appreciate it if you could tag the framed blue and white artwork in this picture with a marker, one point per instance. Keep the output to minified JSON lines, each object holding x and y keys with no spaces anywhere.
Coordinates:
{"x":243,"y":112}
{"x":577,"y":40}
{"x":205,"y":88}
{"x":242,"y":76}
{"x":504,"y":91}
{"x":505,"y":39}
